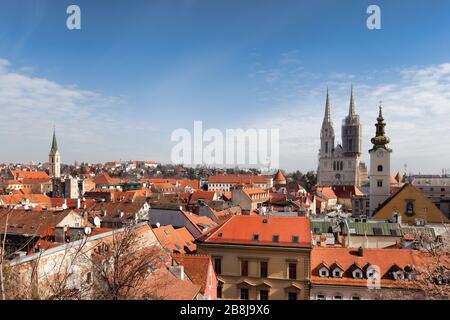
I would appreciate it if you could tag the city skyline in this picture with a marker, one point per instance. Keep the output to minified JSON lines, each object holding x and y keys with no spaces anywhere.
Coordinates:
{"x":113,"y":96}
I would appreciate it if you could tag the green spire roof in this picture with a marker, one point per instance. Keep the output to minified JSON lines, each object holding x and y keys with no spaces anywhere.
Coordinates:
{"x":54,"y":143}
{"x":380,"y":140}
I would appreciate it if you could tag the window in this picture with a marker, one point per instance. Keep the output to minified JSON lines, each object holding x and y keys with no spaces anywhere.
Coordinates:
{"x":337,"y":297}
{"x":218,"y":265}
{"x":292,"y":296}
{"x":317,"y":230}
{"x":380,"y":168}
{"x":276,"y":238}
{"x":337,"y":273}
{"x":263,"y":295}
{"x":244,"y":294}
{"x":219,"y":291}
{"x":255,"y":237}
{"x":357,"y":274}
{"x":324,"y":273}
{"x":244,"y":268}
{"x":263,"y":269}
{"x":355,"y":297}
{"x":379,"y":183}
{"x":321,"y":297}
{"x":326,"y":146}
{"x":295,"y":239}
{"x":292,"y":271}
{"x":394,"y":232}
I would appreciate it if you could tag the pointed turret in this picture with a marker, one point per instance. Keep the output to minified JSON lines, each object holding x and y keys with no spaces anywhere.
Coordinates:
{"x":279,"y":178}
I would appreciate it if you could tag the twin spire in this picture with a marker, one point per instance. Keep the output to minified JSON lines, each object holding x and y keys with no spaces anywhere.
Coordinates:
{"x":351,"y":109}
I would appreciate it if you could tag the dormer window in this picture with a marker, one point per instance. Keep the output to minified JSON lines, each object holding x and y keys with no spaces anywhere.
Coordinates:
{"x":398,"y":275}
{"x":357,"y":274}
{"x":337,"y":273}
{"x":295,"y":239}
{"x":324,"y":273}
{"x":276,"y":238}
{"x":255,"y":237}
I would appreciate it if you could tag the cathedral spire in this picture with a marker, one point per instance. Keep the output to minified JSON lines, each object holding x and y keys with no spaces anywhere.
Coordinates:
{"x":327,"y":117}
{"x":54,"y":143}
{"x":351,"y":110}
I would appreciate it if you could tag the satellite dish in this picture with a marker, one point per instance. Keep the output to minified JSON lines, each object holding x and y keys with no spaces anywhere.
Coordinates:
{"x":158,"y":224}
{"x":97,"y":222}
{"x":87,"y":231}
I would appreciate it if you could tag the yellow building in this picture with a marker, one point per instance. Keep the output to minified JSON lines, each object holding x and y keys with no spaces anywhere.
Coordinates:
{"x":411,"y":206}
{"x":260,"y":257}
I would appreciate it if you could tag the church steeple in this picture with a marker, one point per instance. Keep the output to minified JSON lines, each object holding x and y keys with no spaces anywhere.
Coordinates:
{"x":327,"y":116}
{"x":54,"y":143}
{"x":380,"y":140}
{"x":54,"y":158}
{"x":327,"y":131}
{"x":351,"y":110}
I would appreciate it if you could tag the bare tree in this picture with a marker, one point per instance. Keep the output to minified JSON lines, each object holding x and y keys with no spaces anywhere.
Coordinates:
{"x":125,"y":270}
{"x":434,"y":275}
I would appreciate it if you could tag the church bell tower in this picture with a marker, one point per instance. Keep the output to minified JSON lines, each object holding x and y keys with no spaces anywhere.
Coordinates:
{"x":54,"y":159}
{"x":380,"y":162}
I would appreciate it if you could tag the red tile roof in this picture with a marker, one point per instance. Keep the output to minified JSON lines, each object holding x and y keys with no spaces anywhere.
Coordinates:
{"x":237,"y":179}
{"x":176,"y":240}
{"x":279,"y":177}
{"x":30,"y":175}
{"x":196,"y":267}
{"x":241,"y":230}
{"x":385,"y":259}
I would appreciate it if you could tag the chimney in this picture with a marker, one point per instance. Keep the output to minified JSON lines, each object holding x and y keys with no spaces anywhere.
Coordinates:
{"x":177,"y":271}
{"x":360,"y":252}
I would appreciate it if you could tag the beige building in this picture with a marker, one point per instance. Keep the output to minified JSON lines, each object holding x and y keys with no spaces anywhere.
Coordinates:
{"x":248,"y":198}
{"x":436,"y":189}
{"x":226,"y":182}
{"x":260,"y":257}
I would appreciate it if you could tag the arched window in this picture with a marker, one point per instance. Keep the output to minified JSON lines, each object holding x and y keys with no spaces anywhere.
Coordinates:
{"x":326,"y":146}
{"x":380,"y":168}
{"x":334,"y":165}
{"x":342,"y":165}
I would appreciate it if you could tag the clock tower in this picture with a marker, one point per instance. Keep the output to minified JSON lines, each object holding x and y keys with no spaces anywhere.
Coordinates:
{"x":380,"y":166}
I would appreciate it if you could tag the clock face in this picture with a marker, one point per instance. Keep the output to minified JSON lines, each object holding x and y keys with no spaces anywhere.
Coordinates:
{"x":380,"y":154}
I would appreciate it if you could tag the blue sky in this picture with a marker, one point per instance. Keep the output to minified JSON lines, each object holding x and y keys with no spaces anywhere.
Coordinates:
{"x":140,"y":69}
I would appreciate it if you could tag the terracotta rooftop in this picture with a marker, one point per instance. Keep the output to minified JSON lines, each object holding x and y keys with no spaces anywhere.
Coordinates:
{"x":196,"y":267}
{"x":260,"y":230}
{"x":347,"y":258}
{"x":237,"y":179}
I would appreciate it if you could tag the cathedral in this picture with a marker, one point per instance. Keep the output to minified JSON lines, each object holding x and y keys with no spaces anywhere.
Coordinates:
{"x":341,"y":164}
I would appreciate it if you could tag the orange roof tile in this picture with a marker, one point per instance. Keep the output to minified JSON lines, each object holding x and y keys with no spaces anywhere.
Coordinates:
{"x":196,"y":267}
{"x":241,"y":230}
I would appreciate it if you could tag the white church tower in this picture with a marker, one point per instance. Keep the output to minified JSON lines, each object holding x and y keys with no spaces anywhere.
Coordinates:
{"x":54,"y":159}
{"x":380,"y":166}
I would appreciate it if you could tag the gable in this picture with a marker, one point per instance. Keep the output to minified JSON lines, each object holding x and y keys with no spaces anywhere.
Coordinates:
{"x":412,"y":205}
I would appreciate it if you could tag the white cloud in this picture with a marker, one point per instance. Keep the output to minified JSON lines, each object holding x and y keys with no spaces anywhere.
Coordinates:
{"x":90,"y":125}
{"x":416,"y":107}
